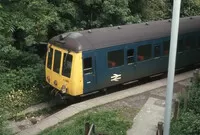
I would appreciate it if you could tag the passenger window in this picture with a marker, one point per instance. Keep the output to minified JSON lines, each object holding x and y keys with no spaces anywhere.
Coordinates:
{"x":87,"y":66}
{"x":67,"y":65}
{"x":181,"y":46}
{"x":189,"y":43}
{"x":144,"y":52}
{"x":130,"y":56}
{"x":166,"y":47}
{"x":115,"y":58}
{"x":57,"y":59}
{"x":50,"y":55}
{"x":157,"y":51}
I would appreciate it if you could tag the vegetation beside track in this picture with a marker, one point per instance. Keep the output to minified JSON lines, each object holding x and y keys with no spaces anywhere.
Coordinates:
{"x":188,"y":122}
{"x":107,"y":122}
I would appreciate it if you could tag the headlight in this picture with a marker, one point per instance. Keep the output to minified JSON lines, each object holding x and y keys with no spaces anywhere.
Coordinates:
{"x":64,"y":89}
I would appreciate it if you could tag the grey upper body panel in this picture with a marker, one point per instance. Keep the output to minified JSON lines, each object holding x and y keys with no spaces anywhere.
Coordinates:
{"x":112,"y":36}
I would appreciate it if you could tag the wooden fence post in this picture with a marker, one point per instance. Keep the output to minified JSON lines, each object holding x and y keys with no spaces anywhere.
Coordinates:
{"x":87,"y":128}
{"x":160,"y":128}
{"x":176,"y":109}
{"x":195,"y":76}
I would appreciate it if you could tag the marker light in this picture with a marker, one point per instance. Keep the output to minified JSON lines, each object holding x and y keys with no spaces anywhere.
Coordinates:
{"x":48,"y":78}
{"x":55,"y":83}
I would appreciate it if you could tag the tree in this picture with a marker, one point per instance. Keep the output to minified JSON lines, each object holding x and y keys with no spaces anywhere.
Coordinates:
{"x":190,"y":8}
{"x":153,"y":9}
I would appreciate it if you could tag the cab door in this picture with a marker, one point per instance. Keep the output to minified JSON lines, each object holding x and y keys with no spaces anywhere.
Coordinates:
{"x":89,"y":73}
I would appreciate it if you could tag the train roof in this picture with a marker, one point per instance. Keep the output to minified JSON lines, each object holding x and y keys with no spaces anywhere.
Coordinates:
{"x":112,"y":36}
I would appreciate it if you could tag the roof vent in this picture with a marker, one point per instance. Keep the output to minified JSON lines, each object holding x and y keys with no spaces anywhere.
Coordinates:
{"x":146,"y":23}
{"x":119,"y":27}
{"x":111,"y":25}
{"x":74,"y":35}
{"x":89,"y":31}
{"x":63,"y":36}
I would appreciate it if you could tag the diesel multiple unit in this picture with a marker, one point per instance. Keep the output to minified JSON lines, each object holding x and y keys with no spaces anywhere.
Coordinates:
{"x":81,"y":62}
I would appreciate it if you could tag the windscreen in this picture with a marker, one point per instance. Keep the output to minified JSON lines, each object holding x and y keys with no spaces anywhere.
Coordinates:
{"x":50,"y":55}
{"x":67,"y":65}
{"x":57,"y":60}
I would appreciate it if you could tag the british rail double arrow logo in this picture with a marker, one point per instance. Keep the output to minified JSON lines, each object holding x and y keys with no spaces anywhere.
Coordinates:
{"x":115,"y":77}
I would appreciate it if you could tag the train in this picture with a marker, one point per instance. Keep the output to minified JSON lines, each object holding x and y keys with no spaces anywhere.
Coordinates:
{"x":82,"y":62}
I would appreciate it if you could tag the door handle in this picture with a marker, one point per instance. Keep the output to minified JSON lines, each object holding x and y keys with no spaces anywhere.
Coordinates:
{"x":156,"y":58}
{"x":88,"y":82}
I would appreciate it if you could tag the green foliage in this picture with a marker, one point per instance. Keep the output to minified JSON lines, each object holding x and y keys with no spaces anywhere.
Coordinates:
{"x":154,"y":9}
{"x":17,"y":100}
{"x":187,"y":124}
{"x":115,"y":12}
{"x":190,"y":8}
{"x":194,"y":98}
{"x":3,"y":124}
{"x":28,"y":20}
{"x":108,"y":122}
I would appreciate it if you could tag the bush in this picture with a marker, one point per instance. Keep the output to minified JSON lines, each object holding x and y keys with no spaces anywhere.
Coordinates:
{"x":187,"y":124}
{"x":20,"y":80}
{"x":3,"y":129}
{"x":194,"y":98}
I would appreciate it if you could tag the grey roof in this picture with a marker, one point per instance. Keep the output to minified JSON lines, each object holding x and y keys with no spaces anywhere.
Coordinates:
{"x":112,"y":36}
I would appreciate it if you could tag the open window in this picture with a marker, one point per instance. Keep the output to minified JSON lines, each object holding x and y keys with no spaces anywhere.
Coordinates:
{"x":144,"y":52}
{"x":87,"y":65}
{"x":130,"y":56}
{"x":115,"y":58}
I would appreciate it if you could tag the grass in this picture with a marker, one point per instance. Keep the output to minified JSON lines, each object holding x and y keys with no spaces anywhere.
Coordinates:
{"x":108,"y":122}
{"x":16,"y":101}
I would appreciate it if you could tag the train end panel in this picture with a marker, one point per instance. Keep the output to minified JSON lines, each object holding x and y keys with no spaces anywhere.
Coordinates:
{"x":64,"y":71}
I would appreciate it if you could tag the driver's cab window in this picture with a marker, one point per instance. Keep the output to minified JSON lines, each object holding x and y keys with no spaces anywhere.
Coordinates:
{"x":87,"y":66}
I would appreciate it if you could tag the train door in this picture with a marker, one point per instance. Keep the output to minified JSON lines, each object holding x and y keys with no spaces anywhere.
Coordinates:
{"x":157,"y":57}
{"x":130,"y":59}
{"x":115,"y":66}
{"x":89,"y":73}
{"x":181,"y":57}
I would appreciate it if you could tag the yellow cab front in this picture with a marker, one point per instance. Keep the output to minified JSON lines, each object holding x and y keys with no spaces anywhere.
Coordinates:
{"x":64,"y":70}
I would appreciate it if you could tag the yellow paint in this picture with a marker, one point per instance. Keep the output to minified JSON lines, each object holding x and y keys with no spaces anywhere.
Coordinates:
{"x":74,"y":84}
